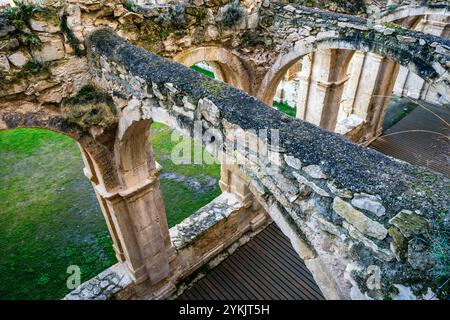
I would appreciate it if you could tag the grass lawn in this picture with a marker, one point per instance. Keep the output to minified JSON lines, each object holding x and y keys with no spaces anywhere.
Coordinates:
{"x":285,"y":108}
{"x":49,"y":215}
{"x":179,"y":198}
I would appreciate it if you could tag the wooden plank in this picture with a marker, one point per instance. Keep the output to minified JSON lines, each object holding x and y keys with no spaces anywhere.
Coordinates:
{"x":290,"y":274}
{"x":298,"y":266}
{"x":267,"y":267}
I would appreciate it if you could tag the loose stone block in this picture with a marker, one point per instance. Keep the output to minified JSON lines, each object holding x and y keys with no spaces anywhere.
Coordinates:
{"x":52,"y":49}
{"x":19,"y":59}
{"x":209,"y":111}
{"x":356,"y":218}
{"x":315,"y":171}
{"x":410,"y":223}
{"x":4,"y":63}
{"x":293,"y":162}
{"x":311,"y":184}
{"x":370,"y":203}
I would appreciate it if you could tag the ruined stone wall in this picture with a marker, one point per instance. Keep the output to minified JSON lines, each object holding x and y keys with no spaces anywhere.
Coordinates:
{"x":353,"y":214}
{"x":200,"y":242}
{"x":42,"y":56}
{"x":342,"y":206}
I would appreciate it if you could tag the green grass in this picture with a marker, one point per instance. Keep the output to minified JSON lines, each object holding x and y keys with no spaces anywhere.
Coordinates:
{"x":49,"y":215}
{"x":203,"y":71}
{"x":179,"y":199}
{"x":285,"y":108}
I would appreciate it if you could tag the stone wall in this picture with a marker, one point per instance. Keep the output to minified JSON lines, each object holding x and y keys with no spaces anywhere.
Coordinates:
{"x":42,"y":60}
{"x":353,"y":214}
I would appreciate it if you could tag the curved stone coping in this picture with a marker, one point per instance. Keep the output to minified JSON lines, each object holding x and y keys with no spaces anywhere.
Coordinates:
{"x":184,"y":233}
{"x":359,"y":169}
{"x":104,"y":285}
{"x":426,"y":55}
{"x":347,"y":209}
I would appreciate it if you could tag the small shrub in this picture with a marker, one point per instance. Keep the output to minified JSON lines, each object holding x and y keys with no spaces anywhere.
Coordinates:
{"x":21,"y":14}
{"x":130,"y":6}
{"x":232,"y":14}
{"x":178,"y":17}
{"x":201,"y":14}
{"x":19,"y":17}
{"x":34,"y":66}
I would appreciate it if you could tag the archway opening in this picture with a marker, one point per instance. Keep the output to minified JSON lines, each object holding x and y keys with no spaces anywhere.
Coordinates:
{"x":50,"y":218}
{"x":205,"y":68}
{"x":285,"y":99}
{"x":225,"y":65}
{"x":189,"y":177}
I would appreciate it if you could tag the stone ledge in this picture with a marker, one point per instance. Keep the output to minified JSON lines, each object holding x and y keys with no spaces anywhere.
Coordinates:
{"x":195,"y":225}
{"x":104,"y":285}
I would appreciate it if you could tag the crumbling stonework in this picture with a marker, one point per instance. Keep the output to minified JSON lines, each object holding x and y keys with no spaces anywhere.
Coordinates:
{"x":103,"y":286}
{"x":351,"y":213}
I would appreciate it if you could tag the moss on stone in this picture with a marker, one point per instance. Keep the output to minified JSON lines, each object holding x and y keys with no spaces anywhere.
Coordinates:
{"x":232,"y":14}
{"x":153,"y":33}
{"x":130,"y":6}
{"x":395,"y":26}
{"x":90,"y":107}
{"x":212,"y":86}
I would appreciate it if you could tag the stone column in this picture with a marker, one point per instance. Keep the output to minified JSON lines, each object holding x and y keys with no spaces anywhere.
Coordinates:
{"x":368,"y":92}
{"x":387,"y":74}
{"x":352,"y":86}
{"x":322,"y":82}
{"x":89,"y":172}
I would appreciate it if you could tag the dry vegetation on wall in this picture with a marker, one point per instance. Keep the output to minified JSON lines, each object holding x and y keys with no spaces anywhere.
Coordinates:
{"x":90,"y":107}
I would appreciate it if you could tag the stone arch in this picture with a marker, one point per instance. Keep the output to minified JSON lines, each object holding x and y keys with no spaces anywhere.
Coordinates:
{"x":95,"y":157}
{"x":408,"y":11}
{"x":134,"y":154}
{"x":100,"y":153}
{"x":138,"y":206}
{"x":226,"y":65}
{"x":425,"y":69}
{"x":434,"y":22}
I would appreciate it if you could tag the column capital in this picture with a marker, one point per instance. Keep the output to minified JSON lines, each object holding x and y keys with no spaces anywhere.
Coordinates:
{"x":327,"y":84}
{"x":140,"y":188}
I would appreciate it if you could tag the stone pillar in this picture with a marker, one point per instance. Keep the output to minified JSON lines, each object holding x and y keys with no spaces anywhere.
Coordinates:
{"x":234,"y":181}
{"x":322,"y":82}
{"x":89,"y":172}
{"x":138,"y":212}
{"x":367,"y":93}
{"x":352,"y":86}
{"x":138,"y":206}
